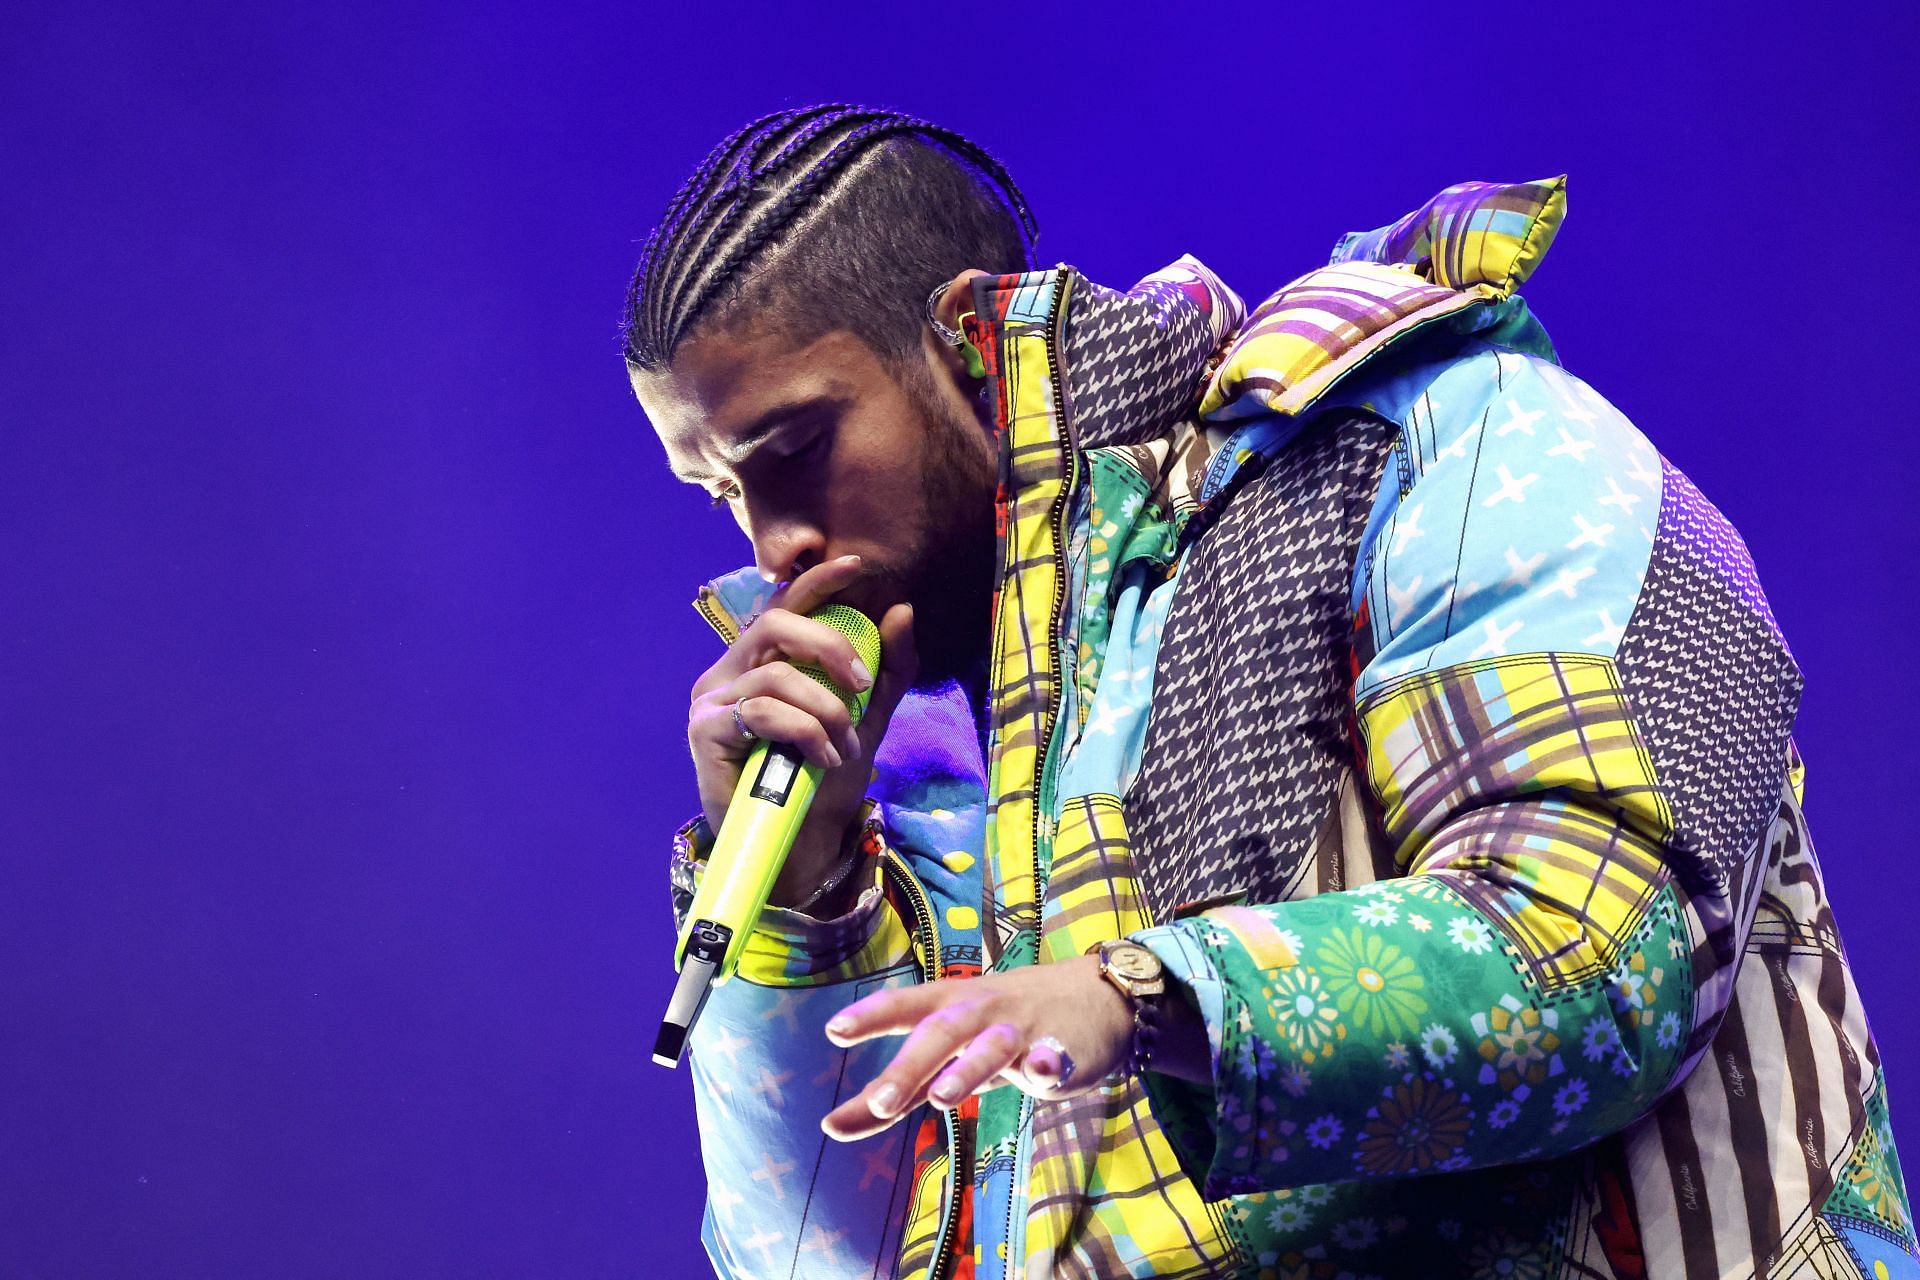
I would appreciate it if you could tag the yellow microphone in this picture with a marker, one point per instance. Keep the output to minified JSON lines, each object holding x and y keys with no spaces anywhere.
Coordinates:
{"x":769,"y":803}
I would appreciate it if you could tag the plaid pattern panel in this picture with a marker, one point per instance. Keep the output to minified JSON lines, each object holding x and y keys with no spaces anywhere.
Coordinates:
{"x":1473,"y":233}
{"x":1110,"y":1198}
{"x":1302,"y":339}
{"x":1472,"y":244}
{"x":1440,"y":744}
{"x":1566,"y":883}
{"x":1449,"y":753}
{"x":1093,"y":891}
{"x":1108,"y":1195}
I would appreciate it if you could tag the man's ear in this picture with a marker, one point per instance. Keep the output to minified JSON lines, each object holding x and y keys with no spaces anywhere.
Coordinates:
{"x":951,"y":303}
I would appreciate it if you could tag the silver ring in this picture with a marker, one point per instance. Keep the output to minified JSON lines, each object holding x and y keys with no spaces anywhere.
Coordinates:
{"x":746,"y":734}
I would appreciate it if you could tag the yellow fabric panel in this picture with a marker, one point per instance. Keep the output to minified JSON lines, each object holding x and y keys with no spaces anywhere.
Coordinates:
{"x":1093,"y":892}
{"x":924,"y":1204}
{"x":1107,"y":1192}
{"x":1023,"y":673}
{"x":1440,"y":743}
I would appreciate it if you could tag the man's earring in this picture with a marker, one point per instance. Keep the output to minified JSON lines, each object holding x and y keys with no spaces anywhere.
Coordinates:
{"x":976,"y":364}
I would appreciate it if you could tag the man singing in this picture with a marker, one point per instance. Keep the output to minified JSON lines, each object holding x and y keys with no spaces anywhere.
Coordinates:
{"x":1328,"y":805}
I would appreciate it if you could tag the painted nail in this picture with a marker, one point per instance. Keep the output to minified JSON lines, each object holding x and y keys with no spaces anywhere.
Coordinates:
{"x":884,"y":1101}
{"x":862,"y":678}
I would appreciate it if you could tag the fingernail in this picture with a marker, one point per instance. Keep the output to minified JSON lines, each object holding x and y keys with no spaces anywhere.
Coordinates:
{"x":839,"y":1026}
{"x":849,"y":560}
{"x":850,"y":743}
{"x":833,"y":757}
{"x":945,"y":1089}
{"x":884,"y":1100}
{"x":862,"y":678}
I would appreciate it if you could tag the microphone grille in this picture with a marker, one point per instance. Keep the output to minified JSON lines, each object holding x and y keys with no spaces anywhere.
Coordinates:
{"x":858,"y":628}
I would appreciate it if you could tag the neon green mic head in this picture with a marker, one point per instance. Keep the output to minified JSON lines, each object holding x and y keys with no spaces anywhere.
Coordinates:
{"x":857,"y":627}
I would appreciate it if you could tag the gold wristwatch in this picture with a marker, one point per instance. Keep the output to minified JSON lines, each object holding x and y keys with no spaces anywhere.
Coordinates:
{"x":1139,"y":976}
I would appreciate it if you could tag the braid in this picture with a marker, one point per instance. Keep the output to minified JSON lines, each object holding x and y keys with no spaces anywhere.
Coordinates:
{"x":698,"y":187}
{"x":726,"y":214}
{"x":724,"y":172}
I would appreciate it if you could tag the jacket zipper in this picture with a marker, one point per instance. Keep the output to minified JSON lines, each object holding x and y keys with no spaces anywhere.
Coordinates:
{"x":707,"y":605}
{"x":1043,"y":824}
{"x":928,"y":932}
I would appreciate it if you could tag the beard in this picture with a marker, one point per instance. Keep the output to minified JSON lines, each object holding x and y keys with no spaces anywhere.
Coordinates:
{"x":947,"y":572}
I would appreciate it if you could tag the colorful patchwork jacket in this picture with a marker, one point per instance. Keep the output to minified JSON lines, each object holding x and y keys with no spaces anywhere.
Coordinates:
{"x":1466,"y":813}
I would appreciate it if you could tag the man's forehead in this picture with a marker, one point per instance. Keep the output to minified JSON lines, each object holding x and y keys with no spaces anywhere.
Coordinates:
{"x":720,"y":390}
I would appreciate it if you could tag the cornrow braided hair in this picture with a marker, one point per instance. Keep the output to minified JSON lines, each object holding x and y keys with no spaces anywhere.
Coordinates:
{"x":926,"y":201}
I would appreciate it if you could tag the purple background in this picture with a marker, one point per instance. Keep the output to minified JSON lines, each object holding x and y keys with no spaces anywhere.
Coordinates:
{"x":343,"y":627}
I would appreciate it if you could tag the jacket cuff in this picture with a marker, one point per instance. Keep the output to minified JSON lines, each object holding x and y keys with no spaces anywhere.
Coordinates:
{"x":1184,"y":1110}
{"x":790,"y":948}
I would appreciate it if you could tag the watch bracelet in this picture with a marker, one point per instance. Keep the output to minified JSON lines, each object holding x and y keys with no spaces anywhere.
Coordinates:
{"x":1146,"y":1032}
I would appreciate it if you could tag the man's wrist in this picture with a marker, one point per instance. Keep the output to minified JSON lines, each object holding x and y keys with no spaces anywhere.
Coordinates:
{"x":822,"y":877}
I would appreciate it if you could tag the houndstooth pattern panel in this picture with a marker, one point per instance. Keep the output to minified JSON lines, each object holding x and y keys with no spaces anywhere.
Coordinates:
{"x":1138,"y":360}
{"x":1713,"y":686}
{"x":1249,"y":736}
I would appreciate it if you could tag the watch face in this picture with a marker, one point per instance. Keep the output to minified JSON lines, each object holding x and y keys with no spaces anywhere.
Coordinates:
{"x":1134,"y":961}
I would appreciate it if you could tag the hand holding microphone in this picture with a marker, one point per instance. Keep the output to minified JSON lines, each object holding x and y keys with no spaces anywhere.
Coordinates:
{"x":776,"y":840}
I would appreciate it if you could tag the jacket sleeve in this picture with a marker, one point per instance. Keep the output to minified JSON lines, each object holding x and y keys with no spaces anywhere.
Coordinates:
{"x":783,"y":1200}
{"x":1574,"y":708}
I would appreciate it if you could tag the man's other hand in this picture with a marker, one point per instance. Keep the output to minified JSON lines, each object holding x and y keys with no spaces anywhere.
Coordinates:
{"x":1052,"y":1030}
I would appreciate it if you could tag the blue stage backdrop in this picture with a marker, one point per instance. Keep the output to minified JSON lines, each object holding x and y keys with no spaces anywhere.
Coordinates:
{"x":344,"y":636}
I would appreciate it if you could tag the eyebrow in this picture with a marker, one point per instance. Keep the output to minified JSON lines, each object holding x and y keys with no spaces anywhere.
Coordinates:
{"x":736,"y":451}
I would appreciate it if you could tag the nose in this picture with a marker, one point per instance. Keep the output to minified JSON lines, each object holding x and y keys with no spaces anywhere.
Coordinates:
{"x":785,"y":545}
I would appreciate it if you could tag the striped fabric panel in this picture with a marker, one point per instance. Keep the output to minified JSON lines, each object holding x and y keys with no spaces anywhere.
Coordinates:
{"x":1472,"y":233}
{"x":1732,"y":1168}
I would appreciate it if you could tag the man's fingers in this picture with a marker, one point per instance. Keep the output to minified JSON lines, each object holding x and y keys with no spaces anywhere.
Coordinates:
{"x":899,"y":666}
{"x":903,"y":1085}
{"x":887,"y":1013}
{"x":786,"y":683}
{"x":988,"y":1054}
{"x":818,"y":585}
{"x":777,"y":721}
{"x":780,"y":635}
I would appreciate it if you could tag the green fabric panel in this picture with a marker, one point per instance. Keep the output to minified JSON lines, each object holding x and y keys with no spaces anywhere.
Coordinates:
{"x":1409,"y":1038}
